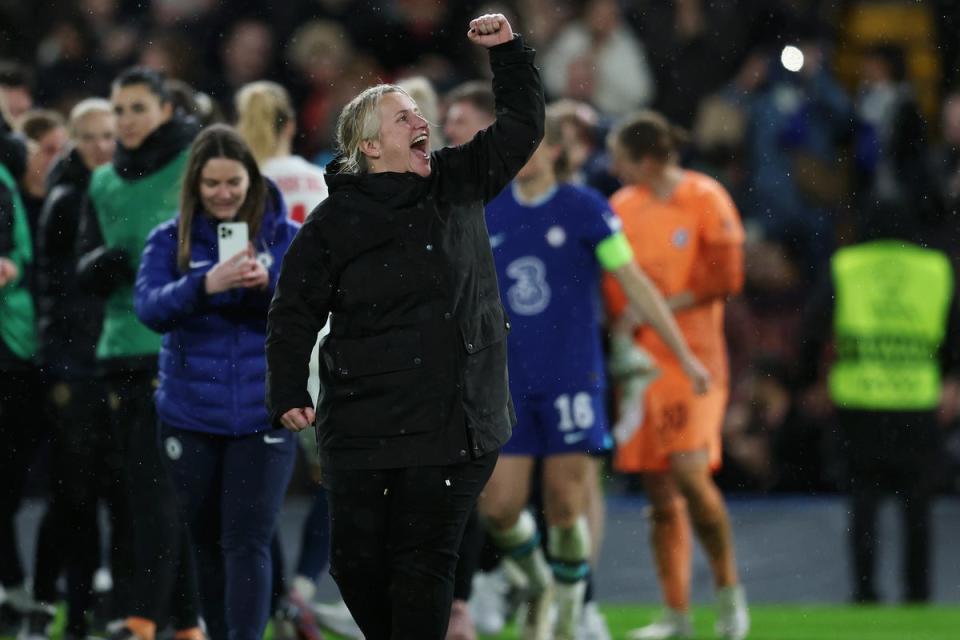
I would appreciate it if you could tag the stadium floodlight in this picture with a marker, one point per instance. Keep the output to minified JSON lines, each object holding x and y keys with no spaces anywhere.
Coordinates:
{"x":791,"y":58}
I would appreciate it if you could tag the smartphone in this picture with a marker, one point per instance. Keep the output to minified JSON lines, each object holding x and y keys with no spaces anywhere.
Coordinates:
{"x":232,"y":238}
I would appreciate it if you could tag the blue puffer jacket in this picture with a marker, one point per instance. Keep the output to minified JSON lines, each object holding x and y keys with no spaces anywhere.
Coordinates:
{"x":212,"y":360}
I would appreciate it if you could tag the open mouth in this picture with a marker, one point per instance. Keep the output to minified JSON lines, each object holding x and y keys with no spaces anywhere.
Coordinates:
{"x":420,"y":144}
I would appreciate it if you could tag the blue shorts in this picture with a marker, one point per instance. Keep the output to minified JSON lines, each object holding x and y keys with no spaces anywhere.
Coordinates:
{"x":563,"y":423}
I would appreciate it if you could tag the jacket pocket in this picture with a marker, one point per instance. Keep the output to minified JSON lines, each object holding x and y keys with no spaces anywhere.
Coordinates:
{"x":376,"y":388}
{"x":485,"y":328}
{"x":486,"y":395}
{"x":387,"y":353}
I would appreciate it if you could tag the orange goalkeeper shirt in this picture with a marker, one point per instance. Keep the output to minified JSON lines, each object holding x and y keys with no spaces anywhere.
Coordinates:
{"x":692,"y":241}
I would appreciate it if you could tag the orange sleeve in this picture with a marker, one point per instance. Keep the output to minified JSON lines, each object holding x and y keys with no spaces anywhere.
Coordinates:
{"x":719,"y":269}
{"x":719,"y":273}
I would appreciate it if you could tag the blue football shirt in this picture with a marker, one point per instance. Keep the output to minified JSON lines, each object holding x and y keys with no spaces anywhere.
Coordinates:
{"x":549,"y":277}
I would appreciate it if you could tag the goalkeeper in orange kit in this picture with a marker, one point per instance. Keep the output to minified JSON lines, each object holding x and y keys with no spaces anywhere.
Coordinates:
{"x":686,"y":234}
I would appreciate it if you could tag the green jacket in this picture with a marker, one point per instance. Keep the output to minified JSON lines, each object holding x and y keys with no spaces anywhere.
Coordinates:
{"x":127,"y":210}
{"x":17,"y":315}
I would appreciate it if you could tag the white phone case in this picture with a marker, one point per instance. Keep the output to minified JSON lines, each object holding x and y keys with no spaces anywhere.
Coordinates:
{"x":232,"y":238}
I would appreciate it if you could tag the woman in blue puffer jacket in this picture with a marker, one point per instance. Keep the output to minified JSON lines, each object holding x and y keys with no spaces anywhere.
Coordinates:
{"x":229,"y":467}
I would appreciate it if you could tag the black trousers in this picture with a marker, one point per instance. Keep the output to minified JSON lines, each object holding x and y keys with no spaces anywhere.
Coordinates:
{"x":22,"y":430}
{"x":471,"y":550}
{"x":890,"y":453}
{"x":82,"y":465}
{"x":164,"y":583}
{"x":395,"y":536}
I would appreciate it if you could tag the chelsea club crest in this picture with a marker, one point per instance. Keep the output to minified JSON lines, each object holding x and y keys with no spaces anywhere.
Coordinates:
{"x":680,"y":238}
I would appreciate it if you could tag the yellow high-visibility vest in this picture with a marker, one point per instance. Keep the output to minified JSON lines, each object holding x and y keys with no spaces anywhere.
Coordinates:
{"x":890,"y":316}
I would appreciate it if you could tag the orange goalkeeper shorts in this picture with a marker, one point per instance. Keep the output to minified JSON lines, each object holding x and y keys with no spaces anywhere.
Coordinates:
{"x":675,"y":420}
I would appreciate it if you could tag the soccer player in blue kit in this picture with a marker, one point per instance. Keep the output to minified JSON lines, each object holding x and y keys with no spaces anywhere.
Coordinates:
{"x":551,"y":242}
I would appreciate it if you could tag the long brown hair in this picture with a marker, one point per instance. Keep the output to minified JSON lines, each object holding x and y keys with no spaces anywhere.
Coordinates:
{"x":218,"y":141}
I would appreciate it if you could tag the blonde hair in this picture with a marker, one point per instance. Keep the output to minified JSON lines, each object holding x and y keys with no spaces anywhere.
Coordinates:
{"x":264,"y":109}
{"x":360,"y":121}
{"x":84,"y":108}
{"x":318,"y":39}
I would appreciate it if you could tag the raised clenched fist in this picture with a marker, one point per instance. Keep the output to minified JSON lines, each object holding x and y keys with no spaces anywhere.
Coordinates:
{"x":490,"y":29}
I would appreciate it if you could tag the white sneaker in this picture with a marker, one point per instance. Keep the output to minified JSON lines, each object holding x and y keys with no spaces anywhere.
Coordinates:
{"x":20,"y":598}
{"x":733,"y":617}
{"x":488,"y":602}
{"x":337,"y":618}
{"x":102,"y":580}
{"x":670,"y":624}
{"x":593,"y":625}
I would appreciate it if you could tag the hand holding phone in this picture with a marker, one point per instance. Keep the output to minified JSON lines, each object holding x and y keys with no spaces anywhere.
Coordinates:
{"x":230,"y":273}
{"x":232,"y":238}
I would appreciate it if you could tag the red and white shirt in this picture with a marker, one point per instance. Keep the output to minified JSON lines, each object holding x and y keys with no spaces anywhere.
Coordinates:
{"x":301,"y":183}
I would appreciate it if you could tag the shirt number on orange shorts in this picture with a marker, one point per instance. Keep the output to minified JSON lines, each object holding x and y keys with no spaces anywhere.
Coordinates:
{"x":674,"y":416}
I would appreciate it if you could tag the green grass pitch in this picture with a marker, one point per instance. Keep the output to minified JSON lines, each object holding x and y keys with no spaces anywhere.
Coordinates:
{"x":814,"y":622}
{"x":783,"y":622}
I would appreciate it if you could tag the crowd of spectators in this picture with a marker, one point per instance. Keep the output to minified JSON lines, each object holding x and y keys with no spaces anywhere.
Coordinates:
{"x":806,"y":110}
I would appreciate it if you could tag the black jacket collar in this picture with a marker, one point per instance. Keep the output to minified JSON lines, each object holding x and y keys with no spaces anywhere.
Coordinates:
{"x":69,"y":171}
{"x":389,"y":188}
{"x":157,"y":149}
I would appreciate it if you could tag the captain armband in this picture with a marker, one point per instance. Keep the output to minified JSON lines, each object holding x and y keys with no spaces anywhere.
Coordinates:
{"x":614,"y":252}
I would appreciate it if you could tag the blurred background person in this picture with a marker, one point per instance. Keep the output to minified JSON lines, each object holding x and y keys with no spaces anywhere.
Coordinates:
{"x":246,"y":55}
{"x":21,"y":396}
{"x":890,"y":148}
{"x":329,"y":68}
{"x":16,"y":90}
{"x":683,"y":39}
{"x":46,"y":132}
{"x":686,"y":234}
{"x":143,"y":177}
{"x":944,"y":163}
{"x":69,"y":322}
{"x":599,"y":59}
{"x":194,"y":104}
{"x":469,"y":109}
{"x":67,"y":66}
{"x":267,"y":121}
{"x":585,"y":152}
{"x":550,"y":243}
{"x":890,"y":306}
{"x":171,"y":55}
{"x":796,"y":121}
